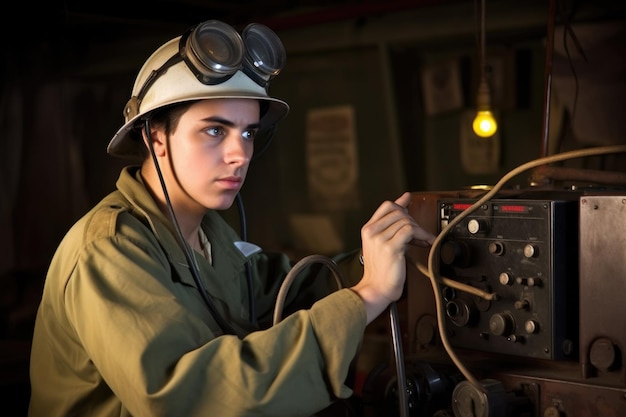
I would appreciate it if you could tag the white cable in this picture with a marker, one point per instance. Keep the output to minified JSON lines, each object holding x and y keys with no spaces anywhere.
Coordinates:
{"x":433,"y":267}
{"x":432,"y":272}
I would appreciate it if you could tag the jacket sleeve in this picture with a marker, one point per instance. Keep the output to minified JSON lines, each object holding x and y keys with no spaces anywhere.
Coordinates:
{"x":150,"y":340}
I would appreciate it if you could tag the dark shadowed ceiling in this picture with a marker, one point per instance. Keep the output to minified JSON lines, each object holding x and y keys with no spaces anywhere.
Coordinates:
{"x":59,"y":33}
{"x":111,"y":19}
{"x":107,"y":15}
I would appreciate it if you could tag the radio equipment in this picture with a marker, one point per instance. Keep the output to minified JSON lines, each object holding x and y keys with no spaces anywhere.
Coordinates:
{"x":525,"y":251}
{"x":552,"y":342}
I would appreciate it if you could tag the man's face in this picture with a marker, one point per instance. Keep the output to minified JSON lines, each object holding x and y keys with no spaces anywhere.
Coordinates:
{"x":210,"y":151}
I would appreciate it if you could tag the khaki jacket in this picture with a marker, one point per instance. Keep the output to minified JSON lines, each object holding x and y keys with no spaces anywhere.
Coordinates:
{"x":122,"y":329}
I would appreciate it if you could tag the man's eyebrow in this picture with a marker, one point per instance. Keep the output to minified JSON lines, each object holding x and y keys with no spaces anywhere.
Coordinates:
{"x":229,"y":123}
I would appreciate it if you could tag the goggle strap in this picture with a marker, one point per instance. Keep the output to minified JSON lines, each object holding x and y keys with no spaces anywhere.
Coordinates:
{"x":155,"y":74}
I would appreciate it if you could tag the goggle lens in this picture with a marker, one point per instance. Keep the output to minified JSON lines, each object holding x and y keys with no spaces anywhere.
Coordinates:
{"x":265,"y":52}
{"x":215,"y":50}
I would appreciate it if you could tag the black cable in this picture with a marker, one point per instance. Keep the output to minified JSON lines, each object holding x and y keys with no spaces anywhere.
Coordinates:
{"x":396,"y":335}
{"x":396,"y":338}
{"x":568,"y":30}
{"x":224,"y":325}
{"x":244,"y":236}
{"x":244,"y":231}
{"x":298,"y":267}
{"x":242,"y":218}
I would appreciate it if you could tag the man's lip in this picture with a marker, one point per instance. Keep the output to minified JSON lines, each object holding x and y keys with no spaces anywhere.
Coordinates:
{"x":231,"y":179}
{"x":231,"y":182}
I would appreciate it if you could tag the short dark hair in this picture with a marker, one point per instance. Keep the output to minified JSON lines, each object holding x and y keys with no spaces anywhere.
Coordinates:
{"x":166,"y":116}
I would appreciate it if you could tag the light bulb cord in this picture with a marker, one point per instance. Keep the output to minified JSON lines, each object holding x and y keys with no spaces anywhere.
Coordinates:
{"x":482,"y":39}
{"x":483,"y":96}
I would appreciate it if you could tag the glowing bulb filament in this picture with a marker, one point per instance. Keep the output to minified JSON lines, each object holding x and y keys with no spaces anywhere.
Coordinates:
{"x":484,"y":124}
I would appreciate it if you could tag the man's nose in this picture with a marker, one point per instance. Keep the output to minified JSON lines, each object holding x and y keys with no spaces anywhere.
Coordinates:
{"x":238,"y":150}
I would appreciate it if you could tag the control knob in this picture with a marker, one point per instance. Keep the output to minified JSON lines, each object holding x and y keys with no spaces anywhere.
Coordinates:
{"x":531,"y":251}
{"x":455,"y":253}
{"x":501,"y":324}
{"x":506,"y":278}
{"x":531,"y":326}
{"x":496,"y":248}
{"x":474,"y":226}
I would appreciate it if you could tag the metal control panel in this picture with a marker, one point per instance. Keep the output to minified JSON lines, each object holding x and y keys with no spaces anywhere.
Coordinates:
{"x":551,"y":344}
{"x":525,"y":251}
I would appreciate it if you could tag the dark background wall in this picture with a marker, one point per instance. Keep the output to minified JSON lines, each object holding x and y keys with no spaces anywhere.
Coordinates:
{"x":64,"y":89}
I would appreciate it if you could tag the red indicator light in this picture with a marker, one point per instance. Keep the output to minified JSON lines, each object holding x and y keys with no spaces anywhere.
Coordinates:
{"x":461,"y":206}
{"x":513,"y":209}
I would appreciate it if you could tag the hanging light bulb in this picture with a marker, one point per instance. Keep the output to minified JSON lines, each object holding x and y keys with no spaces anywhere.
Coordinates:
{"x":484,"y":124}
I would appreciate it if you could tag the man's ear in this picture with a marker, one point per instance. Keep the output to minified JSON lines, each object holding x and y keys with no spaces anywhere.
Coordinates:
{"x":158,"y":140}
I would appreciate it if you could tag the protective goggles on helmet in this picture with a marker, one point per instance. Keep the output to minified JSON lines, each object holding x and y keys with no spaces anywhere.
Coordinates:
{"x":214,"y":51}
{"x":210,"y":61}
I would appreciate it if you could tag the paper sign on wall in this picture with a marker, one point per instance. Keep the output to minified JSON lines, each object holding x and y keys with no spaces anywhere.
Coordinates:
{"x":332,"y":161}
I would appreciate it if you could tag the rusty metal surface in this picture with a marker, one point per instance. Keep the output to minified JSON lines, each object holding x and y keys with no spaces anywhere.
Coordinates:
{"x":603,"y":286}
{"x":569,"y":398}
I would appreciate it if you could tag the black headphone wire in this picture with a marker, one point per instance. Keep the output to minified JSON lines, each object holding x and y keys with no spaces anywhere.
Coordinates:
{"x":224,"y":325}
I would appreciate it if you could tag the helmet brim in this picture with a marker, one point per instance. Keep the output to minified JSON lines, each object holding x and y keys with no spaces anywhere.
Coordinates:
{"x":125,"y":145}
{"x":178,"y":84}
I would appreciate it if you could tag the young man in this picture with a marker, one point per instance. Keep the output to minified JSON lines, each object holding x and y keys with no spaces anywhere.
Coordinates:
{"x":145,"y":309}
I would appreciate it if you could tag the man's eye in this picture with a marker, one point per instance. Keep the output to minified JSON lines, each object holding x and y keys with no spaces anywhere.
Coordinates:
{"x":215,"y":131}
{"x":249,"y":134}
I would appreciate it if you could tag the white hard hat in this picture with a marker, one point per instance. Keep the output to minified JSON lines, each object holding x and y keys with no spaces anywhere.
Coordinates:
{"x":208,"y":62}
